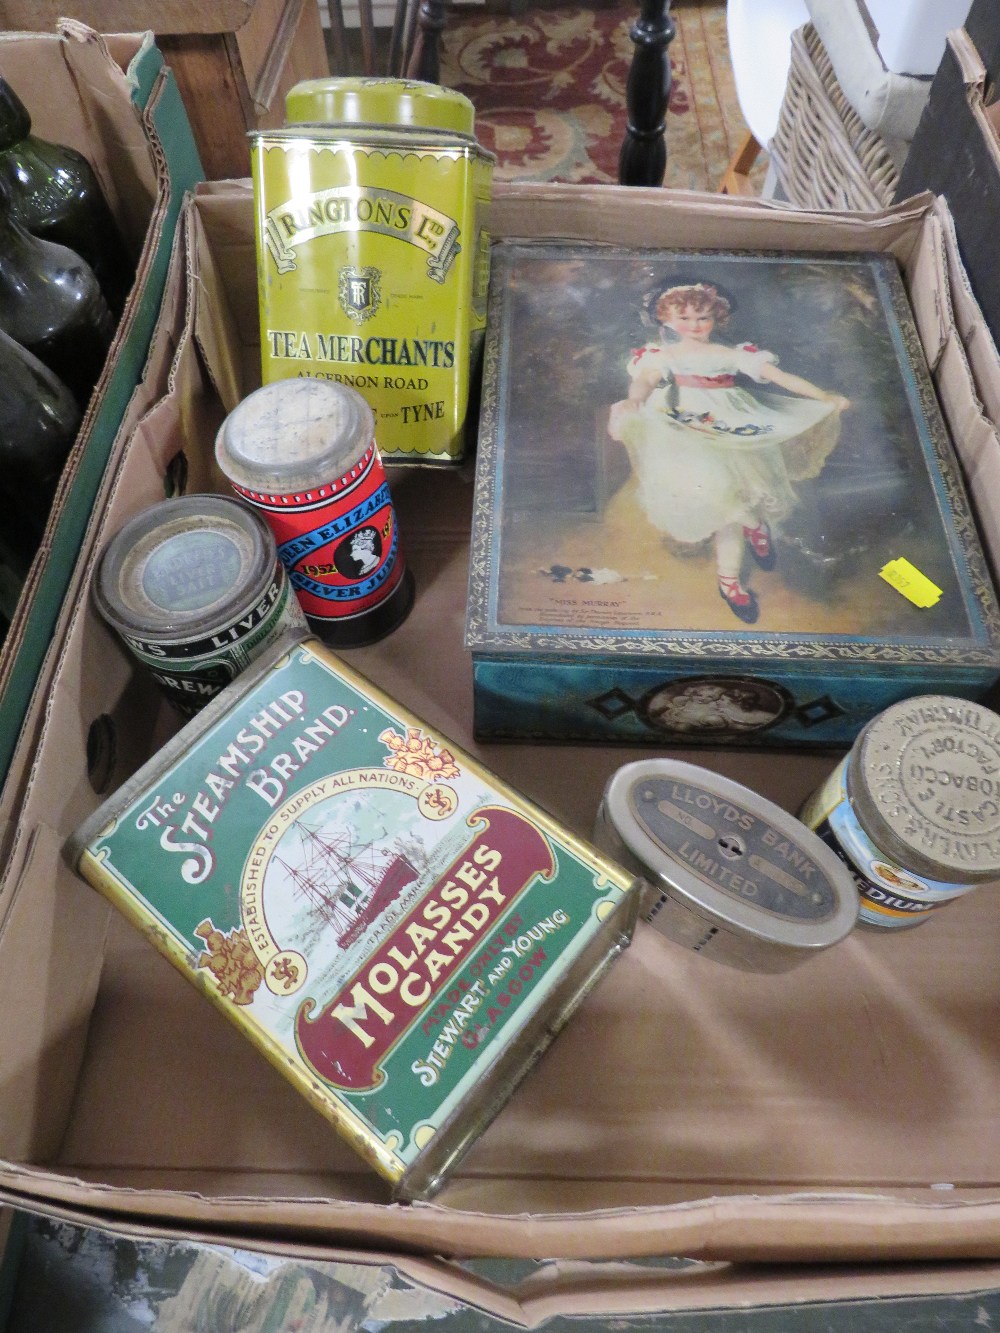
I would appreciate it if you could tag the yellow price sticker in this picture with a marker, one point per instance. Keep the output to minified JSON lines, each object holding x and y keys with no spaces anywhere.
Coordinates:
{"x":908,"y":580}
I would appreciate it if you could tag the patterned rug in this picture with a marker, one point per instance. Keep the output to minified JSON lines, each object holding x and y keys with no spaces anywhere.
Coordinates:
{"x":548,"y":85}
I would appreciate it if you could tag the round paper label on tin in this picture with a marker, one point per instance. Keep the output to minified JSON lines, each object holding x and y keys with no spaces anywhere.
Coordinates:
{"x":191,"y":570}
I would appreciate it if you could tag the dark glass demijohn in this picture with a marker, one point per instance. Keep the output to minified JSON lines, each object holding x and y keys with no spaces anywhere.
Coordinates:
{"x":55,"y":194}
{"x":50,"y":303}
{"x":39,"y":418}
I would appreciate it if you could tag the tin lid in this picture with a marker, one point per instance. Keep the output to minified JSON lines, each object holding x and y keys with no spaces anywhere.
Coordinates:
{"x":362,"y":101}
{"x":731,"y":854}
{"x":183,"y":568}
{"x":923,"y":779}
{"x":293,"y":435}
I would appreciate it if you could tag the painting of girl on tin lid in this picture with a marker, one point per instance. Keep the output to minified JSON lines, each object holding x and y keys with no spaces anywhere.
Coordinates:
{"x":734,"y":445}
{"x":717,"y":455}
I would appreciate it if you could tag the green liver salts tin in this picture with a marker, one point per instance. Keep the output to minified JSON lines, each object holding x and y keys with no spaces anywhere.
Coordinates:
{"x":372,"y":257}
{"x":196,"y":591}
{"x":399,"y":932}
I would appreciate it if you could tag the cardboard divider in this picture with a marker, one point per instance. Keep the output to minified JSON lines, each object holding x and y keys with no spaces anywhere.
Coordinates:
{"x":62,"y":711}
{"x":845,"y":1111}
{"x":112,"y":99}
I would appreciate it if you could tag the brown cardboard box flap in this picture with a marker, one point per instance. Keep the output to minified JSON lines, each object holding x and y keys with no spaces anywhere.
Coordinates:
{"x":99,"y":120}
{"x":841,"y":1227}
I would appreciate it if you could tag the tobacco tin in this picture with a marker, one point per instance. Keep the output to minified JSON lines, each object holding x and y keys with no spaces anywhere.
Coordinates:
{"x":195,"y":589}
{"x":914,"y":807}
{"x":729,"y":874}
{"x":372,"y":252}
{"x":399,"y":932}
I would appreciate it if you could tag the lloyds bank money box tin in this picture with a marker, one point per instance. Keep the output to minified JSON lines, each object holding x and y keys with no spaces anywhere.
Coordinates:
{"x":396,"y":930}
{"x":372,"y":253}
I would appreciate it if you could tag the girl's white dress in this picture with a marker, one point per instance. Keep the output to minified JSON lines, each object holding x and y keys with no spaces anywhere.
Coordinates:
{"x":707,"y":451}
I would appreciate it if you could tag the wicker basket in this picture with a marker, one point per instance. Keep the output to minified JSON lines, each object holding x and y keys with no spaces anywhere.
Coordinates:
{"x":823,"y":154}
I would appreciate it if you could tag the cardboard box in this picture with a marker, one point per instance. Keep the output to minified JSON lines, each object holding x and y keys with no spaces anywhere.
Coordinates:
{"x":112,"y":99}
{"x":845,"y":1111}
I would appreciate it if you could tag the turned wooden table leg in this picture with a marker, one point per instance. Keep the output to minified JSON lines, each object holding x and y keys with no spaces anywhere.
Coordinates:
{"x":425,"y":58}
{"x":643,"y":158}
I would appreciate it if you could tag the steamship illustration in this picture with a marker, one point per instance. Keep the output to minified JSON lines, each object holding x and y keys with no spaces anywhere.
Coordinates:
{"x":347,"y":881}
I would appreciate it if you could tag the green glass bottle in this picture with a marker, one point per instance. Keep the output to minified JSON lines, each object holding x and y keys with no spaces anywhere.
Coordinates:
{"x":39,"y":418}
{"x":52,"y":304}
{"x":55,"y":194}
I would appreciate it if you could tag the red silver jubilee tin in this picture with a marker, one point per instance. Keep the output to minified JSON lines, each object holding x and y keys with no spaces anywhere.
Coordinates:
{"x":303,"y":452}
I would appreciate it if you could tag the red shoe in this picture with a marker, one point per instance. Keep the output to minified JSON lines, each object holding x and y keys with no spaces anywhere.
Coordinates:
{"x":759,"y":541}
{"x":741,"y":602}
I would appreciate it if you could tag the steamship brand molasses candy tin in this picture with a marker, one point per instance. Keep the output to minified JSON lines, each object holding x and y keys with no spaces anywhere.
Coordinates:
{"x":196,"y":591}
{"x":914,"y":808}
{"x":729,"y":874}
{"x":399,"y":932}
{"x":372,"y":255}
{"x":304,"y":453}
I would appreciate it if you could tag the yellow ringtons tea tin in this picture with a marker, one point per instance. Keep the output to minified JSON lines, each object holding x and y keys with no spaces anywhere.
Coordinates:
{"x":372,"y":257}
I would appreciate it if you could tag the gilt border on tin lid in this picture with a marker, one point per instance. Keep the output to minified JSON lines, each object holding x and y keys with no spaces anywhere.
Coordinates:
{"x":557,"y":571}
